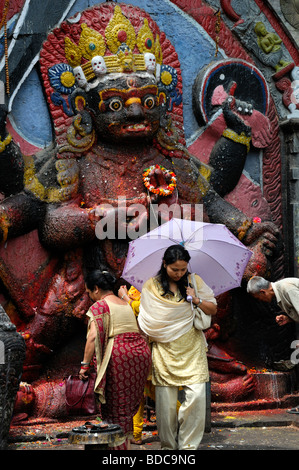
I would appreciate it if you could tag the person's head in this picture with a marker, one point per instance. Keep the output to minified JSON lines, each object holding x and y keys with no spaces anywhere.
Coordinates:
{"x":98,"y":282}
{"x":175,"y":268}
{"x":260,"y":288}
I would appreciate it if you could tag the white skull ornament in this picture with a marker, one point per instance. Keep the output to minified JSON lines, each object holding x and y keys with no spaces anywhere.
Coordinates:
{"x":80,"y":77}
{"x":150,"y":62}
{"x":98,"y":65}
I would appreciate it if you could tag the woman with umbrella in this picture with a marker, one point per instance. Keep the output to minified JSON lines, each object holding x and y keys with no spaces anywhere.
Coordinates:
{"x":178,"y":348}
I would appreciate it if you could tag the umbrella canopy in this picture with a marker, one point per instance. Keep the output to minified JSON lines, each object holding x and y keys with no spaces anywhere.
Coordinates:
{"x":217,"y":256}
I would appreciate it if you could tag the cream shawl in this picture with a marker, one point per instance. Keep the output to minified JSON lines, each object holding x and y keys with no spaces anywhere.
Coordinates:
{"x":165,"y":320}
{"x":161,"y":319}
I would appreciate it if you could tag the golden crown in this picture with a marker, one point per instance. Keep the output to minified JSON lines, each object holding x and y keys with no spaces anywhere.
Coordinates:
{"x":120,"y":40}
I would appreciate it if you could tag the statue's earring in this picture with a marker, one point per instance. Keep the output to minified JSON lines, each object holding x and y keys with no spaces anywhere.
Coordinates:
{"x":80,"y":134}
{"x":80,"y":103}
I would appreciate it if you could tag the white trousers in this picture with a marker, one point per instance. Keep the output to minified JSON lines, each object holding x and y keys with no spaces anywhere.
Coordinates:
{"x":184,"y":429}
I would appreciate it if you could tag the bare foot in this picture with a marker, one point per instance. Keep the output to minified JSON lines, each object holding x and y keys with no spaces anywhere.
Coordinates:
{"x":138,"y":441}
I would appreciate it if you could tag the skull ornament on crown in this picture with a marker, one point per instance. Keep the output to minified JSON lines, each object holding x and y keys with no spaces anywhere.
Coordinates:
{"x":98,"y":65}
{"x":120,"y":37}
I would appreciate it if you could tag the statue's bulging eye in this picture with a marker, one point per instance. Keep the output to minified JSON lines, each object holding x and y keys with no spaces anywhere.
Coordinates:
{"x":149,"y":102}
{"x":116,"y":104}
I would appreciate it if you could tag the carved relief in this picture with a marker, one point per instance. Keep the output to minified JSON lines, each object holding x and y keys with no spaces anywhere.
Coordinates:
{"x":114,"y":87}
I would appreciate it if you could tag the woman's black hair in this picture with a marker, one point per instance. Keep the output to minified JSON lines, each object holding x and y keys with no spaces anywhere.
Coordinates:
{"x":97,"y":278}
{"x":171,"y":255}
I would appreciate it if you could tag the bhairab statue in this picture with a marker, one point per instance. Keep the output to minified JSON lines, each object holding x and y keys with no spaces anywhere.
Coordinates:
{"x":114,"y":89}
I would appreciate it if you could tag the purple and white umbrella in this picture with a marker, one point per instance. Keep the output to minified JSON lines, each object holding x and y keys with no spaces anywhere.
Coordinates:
{"x":217,"y":256}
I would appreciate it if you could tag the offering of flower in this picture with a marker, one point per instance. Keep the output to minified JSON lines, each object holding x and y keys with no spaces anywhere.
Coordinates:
{"x":159,"y":180}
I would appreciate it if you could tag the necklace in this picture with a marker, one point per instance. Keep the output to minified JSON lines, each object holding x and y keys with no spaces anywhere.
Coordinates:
{"x":106,"y":295}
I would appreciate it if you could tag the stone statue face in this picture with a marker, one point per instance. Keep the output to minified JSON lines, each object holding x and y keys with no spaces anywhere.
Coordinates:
{"x":125,"y":107}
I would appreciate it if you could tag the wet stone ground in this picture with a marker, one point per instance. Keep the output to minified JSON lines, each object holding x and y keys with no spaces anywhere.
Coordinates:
{"x":271,"y":430}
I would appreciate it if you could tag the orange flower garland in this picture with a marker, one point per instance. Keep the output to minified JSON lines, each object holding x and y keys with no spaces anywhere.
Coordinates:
{"x":158,"y":174}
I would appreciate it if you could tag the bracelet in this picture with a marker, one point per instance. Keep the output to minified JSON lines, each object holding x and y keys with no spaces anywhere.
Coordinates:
{"x":123,"y":296}
{"x":85,"y":367}
{"x":200,"y":302}
{"x":85,"y":363}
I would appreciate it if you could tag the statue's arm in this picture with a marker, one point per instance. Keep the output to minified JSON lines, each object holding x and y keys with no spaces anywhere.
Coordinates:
{"x":222,"y":212}
{"x":66,"y":225}
{"x":19,"y":210}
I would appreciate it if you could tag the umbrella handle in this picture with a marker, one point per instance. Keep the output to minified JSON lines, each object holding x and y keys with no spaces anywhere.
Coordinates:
{"x":189,"y":297}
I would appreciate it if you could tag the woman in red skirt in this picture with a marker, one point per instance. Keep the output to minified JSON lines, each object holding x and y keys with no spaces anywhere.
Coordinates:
{"x":122,"y":355}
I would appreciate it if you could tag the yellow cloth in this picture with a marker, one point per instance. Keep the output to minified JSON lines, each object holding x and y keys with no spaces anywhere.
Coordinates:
{"x":135,"y":306}
{"x":149,"y":391}
{"x":134,"y":295}
{"x":138,"y":422}
{"x":182,"y":359}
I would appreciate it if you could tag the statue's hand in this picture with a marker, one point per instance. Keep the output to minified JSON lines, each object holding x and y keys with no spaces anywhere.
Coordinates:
{"x":268,"y":235}
{"x":104,"y":215}
{"x":121,"y":221}
{"x":242,"y":107}
{"x":265,"y":242}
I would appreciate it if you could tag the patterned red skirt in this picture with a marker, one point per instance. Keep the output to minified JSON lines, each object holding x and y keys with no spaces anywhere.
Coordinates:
{"x":126,"y":376}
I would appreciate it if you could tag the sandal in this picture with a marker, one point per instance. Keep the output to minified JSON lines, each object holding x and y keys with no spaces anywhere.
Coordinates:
{"x":294,"y":410}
